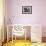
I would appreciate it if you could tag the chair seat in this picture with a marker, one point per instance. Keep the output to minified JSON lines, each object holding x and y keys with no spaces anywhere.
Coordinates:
{"x":18,"y":33}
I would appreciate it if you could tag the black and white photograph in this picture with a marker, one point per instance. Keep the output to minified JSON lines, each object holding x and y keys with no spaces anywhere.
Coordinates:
{"x":26,"y":9}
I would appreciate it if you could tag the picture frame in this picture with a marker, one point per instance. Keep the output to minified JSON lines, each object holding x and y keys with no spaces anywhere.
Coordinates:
{"x":26,"y":9}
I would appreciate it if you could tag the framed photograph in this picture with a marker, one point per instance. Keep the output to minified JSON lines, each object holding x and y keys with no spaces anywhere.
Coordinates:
{"x":26,"y":9}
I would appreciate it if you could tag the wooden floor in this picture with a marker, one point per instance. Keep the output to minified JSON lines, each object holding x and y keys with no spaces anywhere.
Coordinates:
{"x":18,"y":43}
{"x":23,"y":43}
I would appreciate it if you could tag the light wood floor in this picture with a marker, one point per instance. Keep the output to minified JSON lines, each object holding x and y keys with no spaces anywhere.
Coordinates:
{"x":23,"y":43}
{"x":18,"y":43}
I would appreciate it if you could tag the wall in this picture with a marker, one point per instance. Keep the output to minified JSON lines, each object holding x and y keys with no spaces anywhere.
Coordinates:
{"x":1,"y":20}
{"x":38,"y":15}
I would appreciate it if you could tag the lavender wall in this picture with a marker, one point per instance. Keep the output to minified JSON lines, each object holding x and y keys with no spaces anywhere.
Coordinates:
{"x":38,"y":16}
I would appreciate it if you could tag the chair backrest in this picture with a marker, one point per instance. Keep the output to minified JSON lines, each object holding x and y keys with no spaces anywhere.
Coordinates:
{"x":18,"y":30}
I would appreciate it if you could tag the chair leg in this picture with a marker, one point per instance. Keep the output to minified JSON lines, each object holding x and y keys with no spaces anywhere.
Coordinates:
{"x":15,"y":38}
